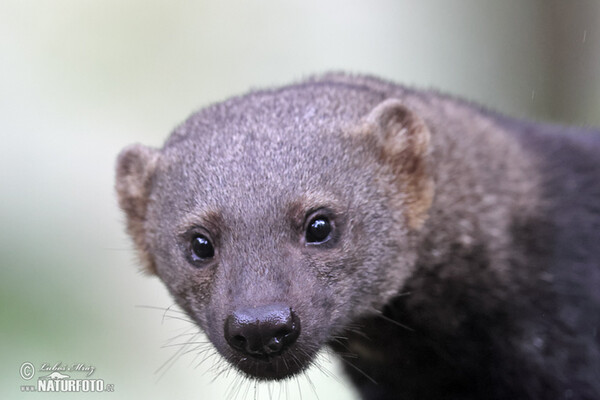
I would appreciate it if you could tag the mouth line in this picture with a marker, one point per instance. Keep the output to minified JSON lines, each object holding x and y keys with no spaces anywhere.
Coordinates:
{"x":277,"y":367}
{"x":267,"y":359}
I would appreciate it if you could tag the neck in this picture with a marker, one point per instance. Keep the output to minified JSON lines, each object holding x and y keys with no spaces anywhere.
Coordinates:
{"x":486,"y":195}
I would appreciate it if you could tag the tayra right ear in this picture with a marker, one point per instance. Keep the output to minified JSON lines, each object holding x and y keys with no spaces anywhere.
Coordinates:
{"x":135,"y":168}
{"x":403,"y":139}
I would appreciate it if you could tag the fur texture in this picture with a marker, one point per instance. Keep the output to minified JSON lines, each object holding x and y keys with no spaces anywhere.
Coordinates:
{"x":464,"y":258}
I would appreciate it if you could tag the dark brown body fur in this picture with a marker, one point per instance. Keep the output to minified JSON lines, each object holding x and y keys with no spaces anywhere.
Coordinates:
{"x":466,"y":261}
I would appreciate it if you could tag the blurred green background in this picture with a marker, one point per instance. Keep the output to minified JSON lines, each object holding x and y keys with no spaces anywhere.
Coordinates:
{"x":81,"y":79}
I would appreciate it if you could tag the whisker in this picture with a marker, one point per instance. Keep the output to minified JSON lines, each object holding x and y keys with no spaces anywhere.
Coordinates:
{"x":181,"y":344}
{"x":312,"y":385}
{"x":190,"y":331}
{"x":363,"y":373}
{"x":324,"y":369}
{"x":166,"y":309}
{"x":393,"y":321}
{"x":299,"y":387}
{"x":381,"y":315}
{"x":233,"y":388}
{"x":167,"y":364}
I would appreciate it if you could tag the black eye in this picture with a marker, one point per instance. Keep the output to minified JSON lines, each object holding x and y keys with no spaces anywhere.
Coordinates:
{"x":202,"y":248}
{"x":319,"y":230}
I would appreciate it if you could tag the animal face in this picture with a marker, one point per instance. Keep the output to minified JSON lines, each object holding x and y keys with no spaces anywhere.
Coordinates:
{"x":275,"y":234}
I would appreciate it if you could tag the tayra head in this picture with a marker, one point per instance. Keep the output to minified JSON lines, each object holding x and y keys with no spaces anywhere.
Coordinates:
{"x":277,"y":218}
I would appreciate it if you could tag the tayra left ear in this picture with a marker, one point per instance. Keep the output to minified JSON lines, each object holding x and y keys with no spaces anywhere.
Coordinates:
{"x":135,"y":169}
{"x":403,"y":142}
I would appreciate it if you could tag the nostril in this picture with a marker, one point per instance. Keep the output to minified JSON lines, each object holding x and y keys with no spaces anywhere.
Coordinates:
{"x":281,"y":333}
{"x":238,"y":341}
{"x":274,"y":346}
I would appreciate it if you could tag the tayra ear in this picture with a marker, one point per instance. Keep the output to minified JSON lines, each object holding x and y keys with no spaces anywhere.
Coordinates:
{"x":135,"y":169}
{"x":403,"y":141}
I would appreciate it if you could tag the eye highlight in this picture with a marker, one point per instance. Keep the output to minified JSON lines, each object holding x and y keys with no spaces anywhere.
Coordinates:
{"x":318,"y":230}
{"x":202,"y":248}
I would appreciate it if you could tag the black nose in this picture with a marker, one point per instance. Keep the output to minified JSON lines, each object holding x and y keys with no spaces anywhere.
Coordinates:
{"x":262,"y":331}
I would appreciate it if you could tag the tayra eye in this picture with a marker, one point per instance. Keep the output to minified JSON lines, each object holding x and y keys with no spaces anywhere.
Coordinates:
{"x":202,"y":248}
{"x":319,"y":230}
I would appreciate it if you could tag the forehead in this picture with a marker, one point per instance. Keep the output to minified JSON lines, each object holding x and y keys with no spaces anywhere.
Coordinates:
{"x":267,"y":149}
{"x":249,"y":172}
{"x":281,"y":112}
